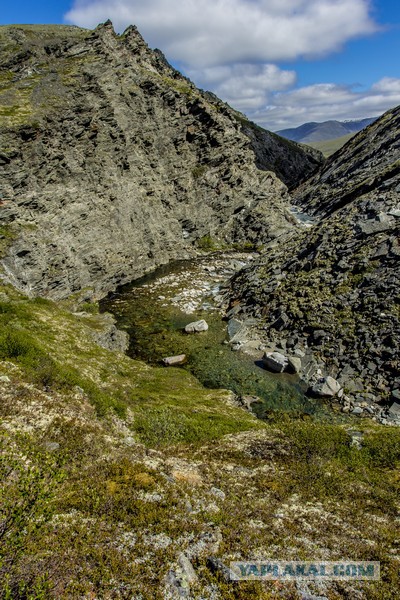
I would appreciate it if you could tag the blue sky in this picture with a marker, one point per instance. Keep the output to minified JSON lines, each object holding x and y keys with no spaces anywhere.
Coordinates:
{"x":282,"y":62}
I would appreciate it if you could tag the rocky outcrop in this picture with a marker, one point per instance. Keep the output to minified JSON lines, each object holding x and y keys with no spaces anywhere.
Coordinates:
{"x":113,"y":163}
{"x":367,"y":167}
{"x":284,"y":157}
{"x":334,"y":289}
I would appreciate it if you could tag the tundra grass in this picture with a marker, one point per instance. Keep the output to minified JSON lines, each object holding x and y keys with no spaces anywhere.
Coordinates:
{"x":111,"y":469}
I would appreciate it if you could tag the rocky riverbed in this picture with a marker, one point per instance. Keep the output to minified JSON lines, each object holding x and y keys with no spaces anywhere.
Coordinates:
{"x":230,"y":354}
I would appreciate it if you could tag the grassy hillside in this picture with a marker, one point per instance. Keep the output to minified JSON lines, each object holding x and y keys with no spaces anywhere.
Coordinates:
{"x":117,"y":476}
{"x":328,"y":147}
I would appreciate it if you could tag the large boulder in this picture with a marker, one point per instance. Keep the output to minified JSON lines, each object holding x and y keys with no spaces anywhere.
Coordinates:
{"x":394,"y":412}
{"x":294,"y":364}
{"x":326,"y":387}
{"x":237,"y":332}
{"x":275,"y":361}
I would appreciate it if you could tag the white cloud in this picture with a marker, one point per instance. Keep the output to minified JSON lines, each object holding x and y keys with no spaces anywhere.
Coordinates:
{"x":244,"y":86}
{"x":229,"y":47}
{"x":326,"y":101}
{"x":388,"y":85}
{"x":203,"y":33}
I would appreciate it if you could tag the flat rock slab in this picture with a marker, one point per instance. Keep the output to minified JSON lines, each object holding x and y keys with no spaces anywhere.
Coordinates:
{"x":196,"y":326}
{"x":394,"y":411}
{"x":171,"y":361}
{"x":234,"y":327}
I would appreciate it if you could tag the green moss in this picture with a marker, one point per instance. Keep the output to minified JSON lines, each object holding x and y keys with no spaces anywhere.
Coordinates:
{"x":180,"y":85}
{"x":56,"y":350}
{"x":5,"y":78}
{"x":9,"y":111}
{"x":90,"y":307}
{"x":8,"y":234}
{"x":199,"y":171}
{"x":208,"y":243}
{"x":381,"y":448}
{"x":192,"y":424}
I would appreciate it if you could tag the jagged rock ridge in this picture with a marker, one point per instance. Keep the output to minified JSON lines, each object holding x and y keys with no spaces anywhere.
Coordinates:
{"x":113,"y":163}
{"x":335,"y":288}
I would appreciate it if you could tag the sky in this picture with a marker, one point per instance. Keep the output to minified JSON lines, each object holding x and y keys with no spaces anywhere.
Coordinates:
{"x":281,"y":62}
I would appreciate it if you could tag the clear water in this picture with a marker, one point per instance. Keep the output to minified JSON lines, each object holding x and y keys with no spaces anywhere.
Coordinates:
{"x":146,"y":310}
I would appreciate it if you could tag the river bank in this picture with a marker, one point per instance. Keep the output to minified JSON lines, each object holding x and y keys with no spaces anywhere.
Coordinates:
{"x":155,"y":309}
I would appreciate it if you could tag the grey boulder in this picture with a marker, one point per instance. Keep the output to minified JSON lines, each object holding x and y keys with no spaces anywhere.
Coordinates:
{"x":275,"y":361}
{"x":394,"y":411}
{"x":294,"y":364}
{"x":327,"y":386}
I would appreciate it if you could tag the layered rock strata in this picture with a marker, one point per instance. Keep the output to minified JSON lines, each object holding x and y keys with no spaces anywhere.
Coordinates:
{"x":113,"y":163}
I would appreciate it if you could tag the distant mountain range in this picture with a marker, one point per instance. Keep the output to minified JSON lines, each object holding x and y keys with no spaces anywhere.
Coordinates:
{"x":327,"y":130}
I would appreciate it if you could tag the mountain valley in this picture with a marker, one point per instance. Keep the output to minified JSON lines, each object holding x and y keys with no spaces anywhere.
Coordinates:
{"x":123,"y":478}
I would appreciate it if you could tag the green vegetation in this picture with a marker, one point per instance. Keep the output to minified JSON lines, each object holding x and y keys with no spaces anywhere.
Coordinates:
{"x":56,"y":350}
{"x":199,"y":171}
{"x":90,"y":307}
{"x":7,"y":235}
{"x":96,"y":510}
{"x":180,"y":85}
{"x":168,"y":425}
{"x":5,"y":78}
{"x":328,"y":147}
{"x":26,"y":491}
{"x":208,"y":243}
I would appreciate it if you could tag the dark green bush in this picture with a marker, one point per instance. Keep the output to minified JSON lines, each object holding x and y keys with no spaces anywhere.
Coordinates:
{"x":17,"y":344}
{"x":382,"y":448}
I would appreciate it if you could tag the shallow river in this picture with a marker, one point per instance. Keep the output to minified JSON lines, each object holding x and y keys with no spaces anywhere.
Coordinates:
{"x":155,"y":309}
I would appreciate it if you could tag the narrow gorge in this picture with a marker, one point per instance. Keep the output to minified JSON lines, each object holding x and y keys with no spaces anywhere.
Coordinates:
{"x":125,"y":188}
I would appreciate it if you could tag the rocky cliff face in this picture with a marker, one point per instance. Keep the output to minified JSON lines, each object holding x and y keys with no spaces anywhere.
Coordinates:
{"x":335,"y":288}
{"x":113,"y":163}
{"x":285,"y":158}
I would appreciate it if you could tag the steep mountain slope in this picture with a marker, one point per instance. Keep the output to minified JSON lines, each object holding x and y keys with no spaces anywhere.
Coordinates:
{"x":335,"y":289}
{"x":113,"y":163}
{"x":327,"y":130}
{"x":284,"y":157}
{"x":368,"y":164}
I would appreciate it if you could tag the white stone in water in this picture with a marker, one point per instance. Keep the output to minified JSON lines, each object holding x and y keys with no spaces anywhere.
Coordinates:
{"x":196,"y":326}
{"x":171,"y":361}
